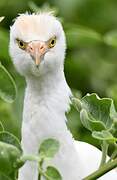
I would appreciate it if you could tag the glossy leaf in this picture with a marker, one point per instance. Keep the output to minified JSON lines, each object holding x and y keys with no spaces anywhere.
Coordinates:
{"x":53,"y":173}
{"x":104,"y":135}
{"x":7,"y":85}
{"x":90,"y":123}
{"x":49,"y":148}
{"x":9,"y":156}
{"x":85,"y":119}
{"x":10,"y":139}
{"x":99,"y":110}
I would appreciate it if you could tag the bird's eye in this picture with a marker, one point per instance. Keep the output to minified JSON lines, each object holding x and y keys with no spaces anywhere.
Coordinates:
{"x":52,"y":42}
{"x":21,"y":44}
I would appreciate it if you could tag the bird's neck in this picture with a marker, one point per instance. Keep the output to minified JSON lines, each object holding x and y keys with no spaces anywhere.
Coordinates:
{"x":50,"y":91}
{"x":46,"y":101}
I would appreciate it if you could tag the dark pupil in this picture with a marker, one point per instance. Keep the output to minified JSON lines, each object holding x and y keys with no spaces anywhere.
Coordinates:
{"x":52,"y":42}
{"x":21,"y":43}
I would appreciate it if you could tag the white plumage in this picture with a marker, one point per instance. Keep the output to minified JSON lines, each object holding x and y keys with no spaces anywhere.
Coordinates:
{"x":47,"y":97}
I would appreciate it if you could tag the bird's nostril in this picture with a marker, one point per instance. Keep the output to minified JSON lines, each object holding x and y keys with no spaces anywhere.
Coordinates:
{"x":31,"y":48}
{"x":41,"y":47}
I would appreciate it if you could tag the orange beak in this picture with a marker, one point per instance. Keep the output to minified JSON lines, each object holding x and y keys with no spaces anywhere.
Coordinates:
{"x":37,"y":49}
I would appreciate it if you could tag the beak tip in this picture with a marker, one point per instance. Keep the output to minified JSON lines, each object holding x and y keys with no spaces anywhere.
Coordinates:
{"x":37,"y":65}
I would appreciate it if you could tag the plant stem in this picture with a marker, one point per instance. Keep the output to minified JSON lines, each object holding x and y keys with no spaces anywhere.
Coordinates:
{"x":104,"y":153}
{"x":40,"y":169}
{"x":114,"y":154}
{"x":29,"y":157}
{"x":104,"y":169}
{"x":35,"y":158}
{"x":43,"y":174}
{"x":39,"y":176}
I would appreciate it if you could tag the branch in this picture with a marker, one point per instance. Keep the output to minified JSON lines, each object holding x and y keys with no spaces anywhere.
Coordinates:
{"x":104,"y":153}
{"x":104,"y":169}
{"x":40,"y":164}
{"x":29,"y":157}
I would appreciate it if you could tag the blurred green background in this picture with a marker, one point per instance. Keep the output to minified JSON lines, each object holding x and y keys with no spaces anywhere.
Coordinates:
{"x":91,"y":60}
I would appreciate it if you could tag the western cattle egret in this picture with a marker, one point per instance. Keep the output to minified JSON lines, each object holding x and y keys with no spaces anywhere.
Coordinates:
{"x":37,"y":47}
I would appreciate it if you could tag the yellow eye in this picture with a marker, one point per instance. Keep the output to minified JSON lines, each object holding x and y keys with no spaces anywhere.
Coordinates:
{"x":21,"y":44}
{"x":52,"y":42}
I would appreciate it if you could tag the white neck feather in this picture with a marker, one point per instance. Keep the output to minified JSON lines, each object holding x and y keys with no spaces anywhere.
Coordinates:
{"x":46,"y":101}
{"x":50,"y":90}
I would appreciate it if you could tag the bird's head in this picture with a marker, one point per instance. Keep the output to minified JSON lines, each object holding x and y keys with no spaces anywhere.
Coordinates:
{"x":37,"y":44}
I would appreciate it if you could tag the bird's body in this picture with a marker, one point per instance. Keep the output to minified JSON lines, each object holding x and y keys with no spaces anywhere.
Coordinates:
{"x":47,"y":98}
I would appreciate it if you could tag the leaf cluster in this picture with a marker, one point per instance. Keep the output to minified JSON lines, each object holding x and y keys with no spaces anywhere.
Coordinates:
{"x":99,"y":116}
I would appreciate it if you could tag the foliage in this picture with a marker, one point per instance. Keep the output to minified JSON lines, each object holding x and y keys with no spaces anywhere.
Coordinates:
{"x":9,"y":138}
{"x":7,"y":84}
{"x":7,"y":91}
{"x":48,"y":148}
{"x":12,"y":157}
{"x":52,"y":173}
{"x":100,"y":117}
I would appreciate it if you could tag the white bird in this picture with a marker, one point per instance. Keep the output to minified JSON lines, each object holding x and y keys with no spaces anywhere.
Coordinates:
{"x":37,"y":47}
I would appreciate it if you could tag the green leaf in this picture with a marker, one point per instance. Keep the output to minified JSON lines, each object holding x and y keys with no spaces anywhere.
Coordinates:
{"x":1,"y":18}
{"x":7,"y":85}
{"x":77,"y":103}
{"x":89,"y":122}
{"x":85,"y":119}
{"x":52,"y":173}
{"x":82,"y":36}
{"x":104,"y":135}
{"x":10,"y":139}
{"x":4,"y":177}
{"x":4,"y":41}
{"x":98,"y":112}
{"x":1,"y":126}
{"x":49,"y":148}
{"x":9,"y":156}
{"x":111,"y":38}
